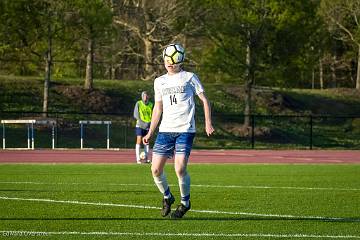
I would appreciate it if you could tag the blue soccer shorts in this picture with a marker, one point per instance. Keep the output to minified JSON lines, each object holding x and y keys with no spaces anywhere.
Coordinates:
{"x":169,"y":142}
{"x":141,"y":132}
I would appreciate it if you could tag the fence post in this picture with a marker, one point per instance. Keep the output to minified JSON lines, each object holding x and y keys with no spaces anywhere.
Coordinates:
{"x":56,"y":130}
{"x":53,"y":137}
{"x":311,"y":132}
{"x":32,"y":137}
{"x":3,"y":128}
{"x":81,"y":136}
{"x":108,"y":136}
{"x":252,"y":132}
{"x":28,"y":136}
{"x":126,"y":126}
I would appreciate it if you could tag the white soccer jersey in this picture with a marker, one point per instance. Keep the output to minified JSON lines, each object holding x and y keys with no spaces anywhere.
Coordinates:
{"x":177,"y":95}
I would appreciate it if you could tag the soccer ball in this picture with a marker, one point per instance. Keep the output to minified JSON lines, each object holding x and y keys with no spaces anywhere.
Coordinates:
{"x":174,"y":54}
{"x":142,"y":155}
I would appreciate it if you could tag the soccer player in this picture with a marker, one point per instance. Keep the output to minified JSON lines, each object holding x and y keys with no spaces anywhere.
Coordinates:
{"x":142,"y":113}
{"x":174,"y":100}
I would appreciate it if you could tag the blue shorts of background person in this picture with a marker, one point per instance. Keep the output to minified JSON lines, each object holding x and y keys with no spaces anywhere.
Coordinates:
{"x":141,"y":132}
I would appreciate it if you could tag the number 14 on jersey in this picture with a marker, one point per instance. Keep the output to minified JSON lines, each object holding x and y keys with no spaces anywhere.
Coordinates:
{"x":173,"y":99}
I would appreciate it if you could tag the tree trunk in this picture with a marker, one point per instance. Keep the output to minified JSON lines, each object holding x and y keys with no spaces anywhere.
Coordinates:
{"x":313,"y":79}
{"x":47,"y":83}
{"x":333,"y":72}
{"x":113,"y":71}
{"x":358,"y":70}
{"x":148,"y":53}
{"x":321,"y":74}
{"x":48,"y":62}
{"x":247,"y":86}
{"x":89,"y":64}
{"x":247,"y":110}
{"x":148,"y":45}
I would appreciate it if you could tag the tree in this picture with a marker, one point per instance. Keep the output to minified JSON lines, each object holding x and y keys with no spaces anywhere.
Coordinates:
{"x":35,"y":32}
{"x":151,"y":25}
{"x":342,"y":16}
{"x":254,"y":41}
{"x":238,"y":29}
{"x":299,"y":41}
{"x":90,"y":21}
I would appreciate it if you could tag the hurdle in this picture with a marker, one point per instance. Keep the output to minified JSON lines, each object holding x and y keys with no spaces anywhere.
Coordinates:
{"x":30,"y":130}
{"x":51,"y":123}
{"x":83,"y":122}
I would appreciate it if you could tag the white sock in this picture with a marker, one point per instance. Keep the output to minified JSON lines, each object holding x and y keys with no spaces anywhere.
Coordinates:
{"x":162,"y":184}
{"x":184,"y":185}
{"x":146,"y":149}
{"x":137,"y":151}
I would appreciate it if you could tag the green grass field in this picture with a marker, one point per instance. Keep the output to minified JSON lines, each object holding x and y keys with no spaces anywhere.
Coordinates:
{"x":228,"y":202}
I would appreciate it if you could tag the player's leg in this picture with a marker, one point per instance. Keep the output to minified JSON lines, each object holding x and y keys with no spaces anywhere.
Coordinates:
{"x":138,"y":132}
{"x":183,"y":178}
{"x":157,"y":170}
{"x":183,"y":148}
{"x":163,"y":149}
{"x":138,"y":149}
{"x":146,"y":148}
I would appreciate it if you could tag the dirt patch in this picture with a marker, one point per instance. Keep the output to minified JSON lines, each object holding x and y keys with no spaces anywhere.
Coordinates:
{"x":87,"y":100}
{"x":277,"y":102}
{"x":240,"y":130}
{"x":347,"y":92}
{"x":269,"y":99}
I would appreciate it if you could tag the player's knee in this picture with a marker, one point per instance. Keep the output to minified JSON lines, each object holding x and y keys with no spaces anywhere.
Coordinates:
{"x":180,"y":171}
{"x":156,"y":172}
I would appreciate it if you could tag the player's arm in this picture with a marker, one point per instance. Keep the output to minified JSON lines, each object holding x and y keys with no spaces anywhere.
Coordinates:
{"x":155,"y":118}
{"x":136,"y":111}
{"x":207,"y":112}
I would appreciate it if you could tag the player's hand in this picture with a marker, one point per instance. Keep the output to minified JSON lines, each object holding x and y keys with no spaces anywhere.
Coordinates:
{"x":146,"y":138}
{"x":209,"y":129}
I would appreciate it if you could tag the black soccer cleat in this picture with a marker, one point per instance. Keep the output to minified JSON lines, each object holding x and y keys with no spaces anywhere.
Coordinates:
{"x":180,"y":211}
{"x":167,"y":202}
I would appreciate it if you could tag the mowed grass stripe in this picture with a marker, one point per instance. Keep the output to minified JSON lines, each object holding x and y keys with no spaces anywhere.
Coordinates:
{"x":192,"y":185}
{"x":144,"y":234}
{"x":192,"y":210}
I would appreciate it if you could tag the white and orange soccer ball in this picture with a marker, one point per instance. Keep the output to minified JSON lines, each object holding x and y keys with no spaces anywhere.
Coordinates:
{"x":174,"y":54}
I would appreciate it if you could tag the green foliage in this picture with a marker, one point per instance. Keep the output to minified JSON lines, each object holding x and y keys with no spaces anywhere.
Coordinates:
{"x":90,"y":17}
{"x":287,"y":38}
{"x":231,"y":25}
{"x":269,"y":28}
{"x":355,"y":126}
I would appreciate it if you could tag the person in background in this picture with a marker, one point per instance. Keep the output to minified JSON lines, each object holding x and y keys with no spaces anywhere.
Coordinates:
{"x":142,"y":113}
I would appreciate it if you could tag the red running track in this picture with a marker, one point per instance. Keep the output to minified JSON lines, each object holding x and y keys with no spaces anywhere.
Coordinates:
{"x":197,"y":156}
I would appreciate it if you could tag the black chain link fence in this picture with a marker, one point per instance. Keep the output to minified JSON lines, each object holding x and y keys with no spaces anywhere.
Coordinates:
{"x":264,"y":132}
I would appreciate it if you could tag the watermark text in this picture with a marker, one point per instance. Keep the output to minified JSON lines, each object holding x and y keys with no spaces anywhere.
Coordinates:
{"x":22,"y":234}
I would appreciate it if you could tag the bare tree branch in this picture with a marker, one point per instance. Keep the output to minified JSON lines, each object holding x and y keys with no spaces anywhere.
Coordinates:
{"x":128,"y":26}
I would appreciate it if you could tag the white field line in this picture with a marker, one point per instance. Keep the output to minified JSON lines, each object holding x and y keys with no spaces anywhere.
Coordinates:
{"x":78,"y":202}
{"x":163,"y":234}
{"x":193,"y":185}
{"x":272,"y":187}
{"x":157,"y":208}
